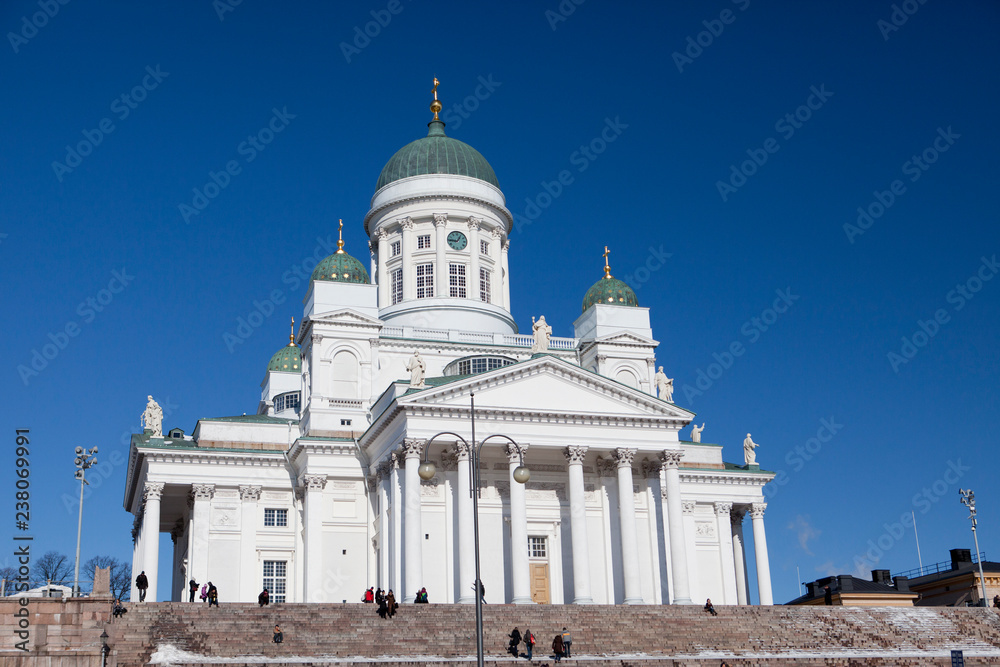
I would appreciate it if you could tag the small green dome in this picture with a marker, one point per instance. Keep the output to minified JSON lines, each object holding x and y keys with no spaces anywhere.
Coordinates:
{"x":610,"y":291}
{"x":436,"y":154}
{"x":342,"y":268}
{"x":287,"y":360}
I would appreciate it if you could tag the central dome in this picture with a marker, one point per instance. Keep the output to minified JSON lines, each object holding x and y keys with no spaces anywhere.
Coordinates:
{"x":436,"y":154}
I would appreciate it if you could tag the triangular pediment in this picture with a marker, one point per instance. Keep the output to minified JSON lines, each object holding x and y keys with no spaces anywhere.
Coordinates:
{"x":627,"y":338}
{"x":346,"y":316}
{"x":548,"y":385}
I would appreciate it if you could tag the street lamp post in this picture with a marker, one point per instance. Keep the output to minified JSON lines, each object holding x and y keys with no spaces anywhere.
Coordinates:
{"x":969,"y":500}
{"x":521,"y":475}
{"x":84,"y":459}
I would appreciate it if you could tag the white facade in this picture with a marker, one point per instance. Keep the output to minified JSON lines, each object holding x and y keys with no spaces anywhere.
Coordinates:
{"x":322,"y":500}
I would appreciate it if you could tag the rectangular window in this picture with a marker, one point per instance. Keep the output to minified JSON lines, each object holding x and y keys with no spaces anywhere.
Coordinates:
{"x":425,"y":281}
{"x":484,"y":247}
{"x":536,"y":547}
{"x":345,"y":422}
{"x":395,"y":248}
{"x":456,"y":280}
{"x":484,"y":285}
{"x":275,"y":517}
{"x":275,"y":579}
{"x":423,"y":242}
{"x":397,"y":286}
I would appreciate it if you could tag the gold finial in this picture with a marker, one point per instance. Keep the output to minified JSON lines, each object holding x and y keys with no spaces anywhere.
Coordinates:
{"x":291,"y":335}
{"x":340,"y":241}
{"x":435,"y":105}
{"x":607,"y":267}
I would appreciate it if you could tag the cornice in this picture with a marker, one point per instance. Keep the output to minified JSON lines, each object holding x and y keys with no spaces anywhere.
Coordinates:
{"x":723,"y":477}
{"x":395,"y":203}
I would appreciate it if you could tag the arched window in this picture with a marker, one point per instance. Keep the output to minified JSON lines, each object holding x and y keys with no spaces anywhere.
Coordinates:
{"x":627,"y":378}
{"x":345,"y":375}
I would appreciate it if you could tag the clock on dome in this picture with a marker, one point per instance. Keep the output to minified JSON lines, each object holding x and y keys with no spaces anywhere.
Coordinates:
{"x":457,"y":240}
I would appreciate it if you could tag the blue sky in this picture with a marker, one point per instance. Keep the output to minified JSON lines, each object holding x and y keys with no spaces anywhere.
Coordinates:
{"x":745,"y":136}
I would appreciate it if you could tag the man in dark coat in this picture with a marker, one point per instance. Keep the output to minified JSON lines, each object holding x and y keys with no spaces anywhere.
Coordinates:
{"x":213,"y":595}
{"x":192,"y":589}
{"x":557,"y":647}
{"x":264,"y":598}
{"x":515,"y":640}
{"x":142,"y":583}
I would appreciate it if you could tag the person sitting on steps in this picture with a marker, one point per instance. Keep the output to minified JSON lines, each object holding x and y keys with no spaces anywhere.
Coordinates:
{"x":710,"y":608}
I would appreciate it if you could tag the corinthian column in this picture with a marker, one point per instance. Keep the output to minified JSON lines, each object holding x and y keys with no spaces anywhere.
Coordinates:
{"x":520,"y":574}
{"x":413,"y":565}
{"x":384,"y":282}
{"x":578,"y":526}
{"x":724,"y":525}
{"x":739,"y":555}
{"x":760,"y":551}
{"x":474,"y":224}
{"x":630,"y":540}
{"x":440,"y":260}
{"x":678,"y":553}
{"x":409,"y":273}
{"x":313,"y":533}
{"x":249,"y":495}
{"x":466,"y":526}
{"x":151,"y":523}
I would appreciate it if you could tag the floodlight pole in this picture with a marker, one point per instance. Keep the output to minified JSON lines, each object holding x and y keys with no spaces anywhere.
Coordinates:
{"x":84,"y":459}
{"x":969,"y":500}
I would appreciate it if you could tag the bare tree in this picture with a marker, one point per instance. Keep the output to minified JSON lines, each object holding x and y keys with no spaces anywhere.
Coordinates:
{"x":52,"y":567}
{"x":121,"y":575}
{"x":8,"y":574}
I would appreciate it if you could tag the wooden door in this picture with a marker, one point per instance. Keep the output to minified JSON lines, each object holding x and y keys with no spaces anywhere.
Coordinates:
{"x":540,"y":583}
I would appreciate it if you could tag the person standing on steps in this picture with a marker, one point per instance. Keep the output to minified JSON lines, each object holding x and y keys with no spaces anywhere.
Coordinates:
{"x":204,"y":592}
{"x":192,"y":589}
{"x":529,"y":642}
{"x":567,"y":643}
{"x":142,"y":583}
{"x":515,"y":641}
{"x":391,"y":604}
{"x":213,"y":595}
{"x":557,"y":647}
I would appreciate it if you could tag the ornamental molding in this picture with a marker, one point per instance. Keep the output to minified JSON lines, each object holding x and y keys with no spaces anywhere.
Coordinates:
{"x":736,"y":516}
{"x":440,"y":219}
{"x":506,"y":245}
{"x":723,"y":477}
{"x":374,"y":342}
{"x":382,"y":235}
{"x":250,"y":494}
{"x":461,"y":450}
{"x":405,"y":223}
{"x":575,"y":454}
{"x":515,"y":453}
{"x":496,"y":233}
{"x":687,"y":506}
{"x":704,"y":529}
{"x":671,"y":458}
{"x":313,"y":482}
{"x":152,"y":491}
{"x":413,"y":448}
{"x":375,"y":214}
{"x":723,"y":509}
{"x":475,"y":222}
{"x":651,"y":468}
{"x":317,"y":338}
{"x":606,"y":467}
{"x":202,"y":491}
{"x":757,"y":510}
{"x":623,"y":457}
{"x":449,"y":460}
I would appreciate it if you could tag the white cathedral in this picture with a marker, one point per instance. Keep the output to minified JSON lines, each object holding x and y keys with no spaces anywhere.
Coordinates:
{"x":322,"y":493}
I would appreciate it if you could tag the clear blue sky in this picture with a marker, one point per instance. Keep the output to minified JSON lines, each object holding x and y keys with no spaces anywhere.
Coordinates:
{"x":879,"y":97}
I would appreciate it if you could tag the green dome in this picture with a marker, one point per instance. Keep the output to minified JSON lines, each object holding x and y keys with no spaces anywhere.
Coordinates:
{"x":610,"y":291}
{"x":436,"y":154}
{"x":342,"y":268}
{"x":287,"y":360}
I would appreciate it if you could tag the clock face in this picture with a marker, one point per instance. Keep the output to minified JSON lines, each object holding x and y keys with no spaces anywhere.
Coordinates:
{"x":457,"y":240}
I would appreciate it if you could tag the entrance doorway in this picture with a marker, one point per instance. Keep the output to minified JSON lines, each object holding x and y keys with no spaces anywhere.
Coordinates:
{"x":538,"y":554}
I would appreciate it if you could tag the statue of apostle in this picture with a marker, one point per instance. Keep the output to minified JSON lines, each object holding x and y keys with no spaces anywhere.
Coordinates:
{"x":748,"y":454}
{"x":418,"y":369}
{"x":542,"y":333}
{"x":152,"y":418}
{"x":664,"y":386}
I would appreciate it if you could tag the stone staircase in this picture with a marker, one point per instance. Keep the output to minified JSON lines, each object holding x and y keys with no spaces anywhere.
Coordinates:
{"x":239,"y":635}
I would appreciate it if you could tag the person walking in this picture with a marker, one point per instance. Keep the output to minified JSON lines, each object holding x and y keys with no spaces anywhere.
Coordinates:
{"x":529,"y":642}
{"x":204,"y":592}
{"x":557,"y":647}
{"x":996,"y":601}
{"x":192,"y":589}
{"x":379,"y":596}
{"x":567,"y":643}
{"x":369,"y":596}
{"x":264,"y":598}
{"x":515,"y":641}
{"x":142,"y":583}
{"x":390,"y":603}
{"x":213,"y":595}
{"x":278,"y":635}
{"x":383,"y":607}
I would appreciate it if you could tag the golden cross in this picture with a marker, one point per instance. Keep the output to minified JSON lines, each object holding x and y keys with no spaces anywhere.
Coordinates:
{"x":607,"y":267}
{"x":291,"y":334}
{"x":435,"y":88}
{"x":340,"y":240}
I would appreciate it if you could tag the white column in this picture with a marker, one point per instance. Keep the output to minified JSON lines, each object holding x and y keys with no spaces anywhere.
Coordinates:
{"x":371,"y":263}
{"x":496,"y":241}
{"x":409,"y":273}
{"x":725,"y":531}
{"x":384,"y":530}
{"x":739,"y":557}
{"x":505,"y":266}
{"x":520,"y":573}
{"x":760,"y":551}
{"x":151,"y":529}
{"x":678,"y":553}
{"x":630,"y":540}
{"x":136,"y":552}
{"x":201,"y":509}
{"x":578,"y":526}
{"x":440,"y":257}
{"x":413,"y":565}
{"x":466,"y":536}
{"x":249,"y":579}
{"x":657,"y":551}
{"x":384,"y":282}
{"x":474,"y":253}
{"x":312,"y":511}
{"x":396,"y":510}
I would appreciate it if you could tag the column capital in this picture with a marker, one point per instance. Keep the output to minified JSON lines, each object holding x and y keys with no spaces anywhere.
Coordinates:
{"x":462,"y":450}
{"x":736,"y":516}
{"x":440,"y":219}
{"x":515,"y":452}
{"x":497,"y":233}
{"x":382,"y":235}
{"x":723,"y":509}
{"x":757,"y":510}
{"x":405,"y":223}
{"x":372,"y":482}
{"x":651,"y":468}
{"x":249,"y":494}
{"x":475,"y":222}
{"x":383,"y":469}
{"x":506,"y":245}
{"x":202,"y":491}
{"x":623,"y":456}
{"x":152,"y":491}
{"x":314,"y":482}
{"x":605,"y":466}
{"x":413,"y":448}
{"x":575,"y":454}
{"x":688,"y":506}
{"x":317,"y":338}
{"x":671,"y":458}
